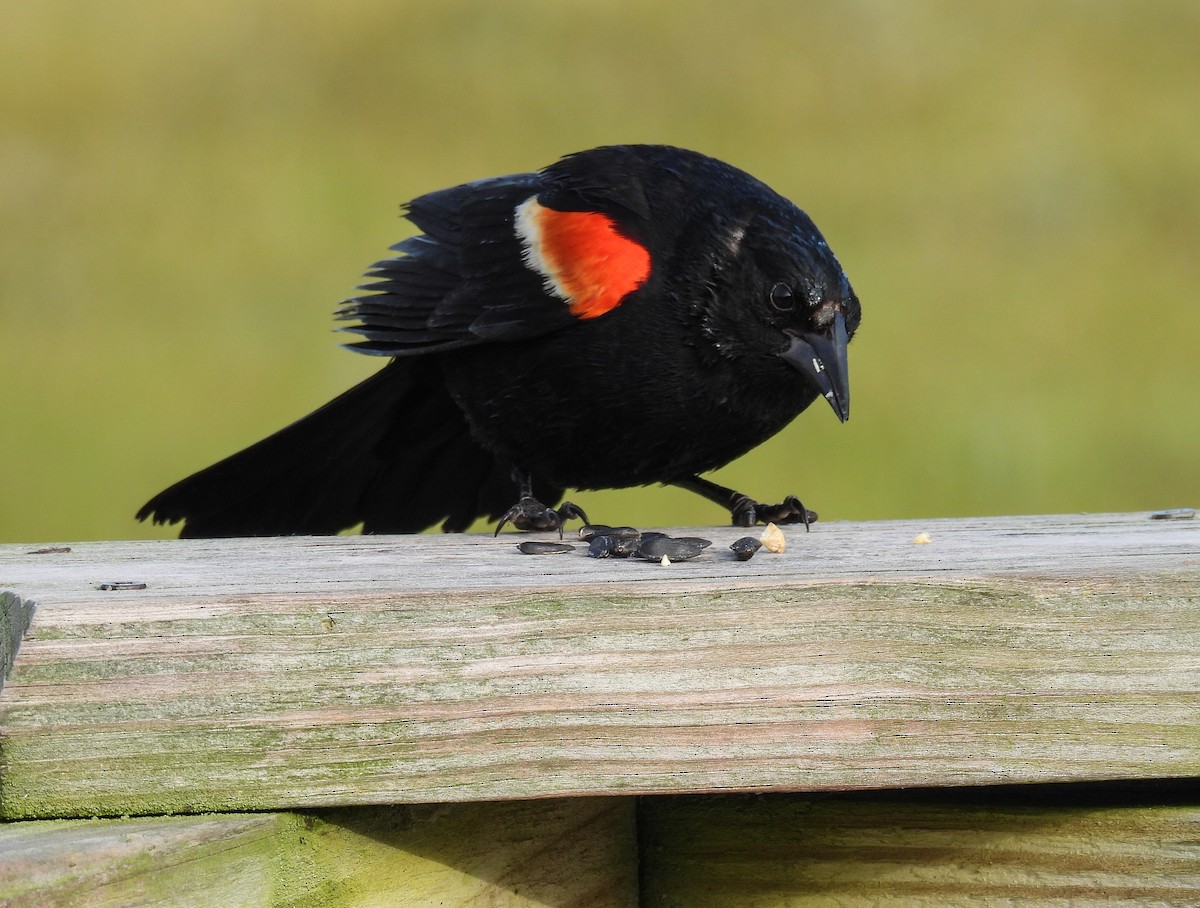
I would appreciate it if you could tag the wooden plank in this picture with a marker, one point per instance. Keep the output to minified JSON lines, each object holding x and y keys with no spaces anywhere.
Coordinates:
{"x":793,"y":851}
{"x":268,"y":674}
{"x":216,"y":861}
{"x":569,"y":852}
{"x":1105,"y":545}
{"x":576,"y":853}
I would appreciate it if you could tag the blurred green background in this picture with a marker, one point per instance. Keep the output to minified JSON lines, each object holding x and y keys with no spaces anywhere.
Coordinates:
{"x":188,"y":188}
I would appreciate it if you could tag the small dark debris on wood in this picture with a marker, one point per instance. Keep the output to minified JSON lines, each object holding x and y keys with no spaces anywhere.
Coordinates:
{"x":612,"y":546}
{"x":545,"y":548}
{"x":1174,"y":514}
{"x":675,"y":549}
{"x":605,"y":541}
{"x":743,"y":549}
{"x":590,"y":531}
{"x":121,"y":585}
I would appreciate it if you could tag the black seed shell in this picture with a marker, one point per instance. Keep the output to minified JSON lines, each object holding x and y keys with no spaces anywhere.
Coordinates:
{"x":745,"y":548}
{"x":658,"y":547}
{"x":545,"y":548}
{"x":601,"y":546}
{"x":592,"y":530}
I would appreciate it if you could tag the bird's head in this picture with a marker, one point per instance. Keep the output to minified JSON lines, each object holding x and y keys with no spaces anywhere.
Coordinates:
{"x":745,"y":262}
{"x":776,"y":293}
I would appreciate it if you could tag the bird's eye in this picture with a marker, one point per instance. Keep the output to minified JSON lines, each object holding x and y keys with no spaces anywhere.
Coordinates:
{"x":781,"y":297}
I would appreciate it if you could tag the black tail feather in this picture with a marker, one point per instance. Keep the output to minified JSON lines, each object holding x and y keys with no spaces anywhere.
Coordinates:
{"x":393,"y":453}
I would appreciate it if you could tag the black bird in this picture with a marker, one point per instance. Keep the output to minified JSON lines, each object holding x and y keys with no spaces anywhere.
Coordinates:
{"x":629,"y":315}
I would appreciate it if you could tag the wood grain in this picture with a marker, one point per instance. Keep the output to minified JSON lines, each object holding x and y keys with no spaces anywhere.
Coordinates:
{"x":793,"y":851}
{"x":216,"y":861}
{"x":282,"y":673}
{"x":576,"y":853}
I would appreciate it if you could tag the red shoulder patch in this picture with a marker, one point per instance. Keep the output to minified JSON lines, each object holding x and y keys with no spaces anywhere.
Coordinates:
{"x":581,"y":256}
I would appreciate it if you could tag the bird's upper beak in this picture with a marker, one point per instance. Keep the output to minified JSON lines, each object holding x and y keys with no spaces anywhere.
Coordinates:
{"x":821,"y":355}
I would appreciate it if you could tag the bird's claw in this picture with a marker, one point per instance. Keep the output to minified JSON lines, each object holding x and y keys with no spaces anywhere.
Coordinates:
{"x":746,"y":512}
{"x":531,"y":514}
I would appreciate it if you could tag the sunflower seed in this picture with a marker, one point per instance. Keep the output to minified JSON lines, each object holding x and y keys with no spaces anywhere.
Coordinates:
{"x":545,"y":548}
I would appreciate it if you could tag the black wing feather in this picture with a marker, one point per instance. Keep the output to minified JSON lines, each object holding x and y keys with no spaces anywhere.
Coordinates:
{"x":461,"y":281}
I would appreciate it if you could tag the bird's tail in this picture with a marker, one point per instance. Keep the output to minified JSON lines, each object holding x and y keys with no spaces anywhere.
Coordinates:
{"x":393,"y":453}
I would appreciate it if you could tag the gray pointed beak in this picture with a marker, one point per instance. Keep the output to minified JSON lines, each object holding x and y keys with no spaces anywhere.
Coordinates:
{"x":821,"y":355}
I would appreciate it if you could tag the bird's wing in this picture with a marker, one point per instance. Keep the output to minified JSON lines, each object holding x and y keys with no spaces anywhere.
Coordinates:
{"x":493,"y":263}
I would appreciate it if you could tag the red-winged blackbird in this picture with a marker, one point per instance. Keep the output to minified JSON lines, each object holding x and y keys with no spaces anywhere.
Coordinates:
{"x":629,"y":315}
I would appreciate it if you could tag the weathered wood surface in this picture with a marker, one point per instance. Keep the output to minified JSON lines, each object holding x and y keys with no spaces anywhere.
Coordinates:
{"x":1013,"y":846}
{"x":791,"y":851}
{"x":569,"y":853}
{"x":214,"y":860}
{"x":279,"y":673}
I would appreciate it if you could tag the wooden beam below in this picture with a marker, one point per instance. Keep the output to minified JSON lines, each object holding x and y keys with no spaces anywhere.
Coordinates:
{"x":1027,"y":845}
{"x":577,"y":853}
{"x":792,"y":851}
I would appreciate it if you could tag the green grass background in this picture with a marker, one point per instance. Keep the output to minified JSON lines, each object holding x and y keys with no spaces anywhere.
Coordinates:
{"x":188,"y":188}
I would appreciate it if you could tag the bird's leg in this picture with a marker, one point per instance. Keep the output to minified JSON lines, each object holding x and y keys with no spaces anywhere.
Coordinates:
{"x":530,"y":514}
{"x":745,"y":511}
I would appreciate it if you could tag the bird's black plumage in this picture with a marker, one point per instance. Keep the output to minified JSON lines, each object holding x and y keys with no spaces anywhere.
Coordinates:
{"x":629,"y":315}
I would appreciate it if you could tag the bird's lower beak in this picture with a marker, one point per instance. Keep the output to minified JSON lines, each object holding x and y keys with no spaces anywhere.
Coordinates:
{"x":822,"y":357}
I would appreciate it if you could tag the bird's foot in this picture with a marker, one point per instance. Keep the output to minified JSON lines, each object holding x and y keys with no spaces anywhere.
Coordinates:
{"x":745,"y":512}
{"x":531,"y":514}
